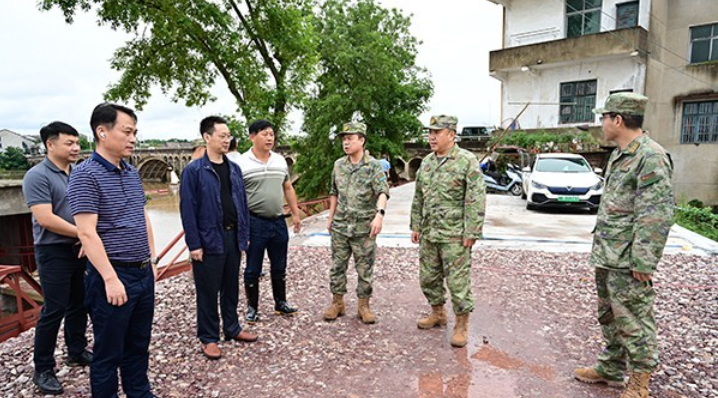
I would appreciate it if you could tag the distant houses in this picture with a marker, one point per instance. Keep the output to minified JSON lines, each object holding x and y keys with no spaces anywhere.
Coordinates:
{"x":29,"y":144}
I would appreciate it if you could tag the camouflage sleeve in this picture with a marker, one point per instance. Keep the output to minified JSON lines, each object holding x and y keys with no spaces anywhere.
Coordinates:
{"x":417,"y":204}
{"x":474,"y":201}
{"x":653,"y":211}
{"x":379,"y":183}
{"x":333,"y":190}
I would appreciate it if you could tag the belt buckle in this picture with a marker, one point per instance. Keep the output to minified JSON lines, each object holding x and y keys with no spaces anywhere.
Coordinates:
{"x":146,"y":263}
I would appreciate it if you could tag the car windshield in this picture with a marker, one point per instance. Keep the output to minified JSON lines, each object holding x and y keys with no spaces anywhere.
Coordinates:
{"x":562,"y":165}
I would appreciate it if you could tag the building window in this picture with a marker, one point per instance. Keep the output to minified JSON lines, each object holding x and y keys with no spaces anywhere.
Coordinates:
{"x":577,"y":102}
{"x":627,"y":15}
{"x":583,"y":17}
{"x":700,"y":122}
{"x":704,"y":43}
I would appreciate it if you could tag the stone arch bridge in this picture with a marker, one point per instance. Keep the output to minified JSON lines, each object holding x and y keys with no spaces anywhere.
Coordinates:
{"x":158,"y":165}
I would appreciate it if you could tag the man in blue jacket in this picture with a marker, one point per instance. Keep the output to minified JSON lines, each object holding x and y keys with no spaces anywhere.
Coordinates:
{"x":215,"y":218}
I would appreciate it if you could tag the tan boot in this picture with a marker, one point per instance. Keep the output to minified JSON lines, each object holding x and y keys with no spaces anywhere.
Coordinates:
{"x":364,"y":311}
{"x":461,"y":331}
{"x":590,"y":376}
{"x":637,"y":386}
{"x":335,"y":310}
{"x":437,"y":317}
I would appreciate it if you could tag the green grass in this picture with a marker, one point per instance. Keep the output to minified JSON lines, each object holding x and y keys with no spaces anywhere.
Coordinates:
{"x":702,"y":221}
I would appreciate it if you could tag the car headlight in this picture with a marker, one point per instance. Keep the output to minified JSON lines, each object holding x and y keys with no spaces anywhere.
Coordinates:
{"x":538,"y":185}
{"x":597,"y":187}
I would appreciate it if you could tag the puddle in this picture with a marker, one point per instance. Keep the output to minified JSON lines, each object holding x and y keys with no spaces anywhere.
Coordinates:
{"x":501,"y":360}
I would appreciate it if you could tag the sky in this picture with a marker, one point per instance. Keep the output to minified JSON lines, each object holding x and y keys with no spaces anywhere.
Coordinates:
{"x":50,"y":70}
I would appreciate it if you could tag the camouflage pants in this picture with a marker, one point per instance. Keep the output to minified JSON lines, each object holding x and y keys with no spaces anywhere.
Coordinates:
{"x":364,"y":250}
{"x":450,"y":261}
{"x":625,"y":312}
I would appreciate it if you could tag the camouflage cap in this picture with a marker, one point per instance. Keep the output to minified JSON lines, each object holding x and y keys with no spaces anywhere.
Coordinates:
{"x":198,"y":143}
{"x":441,"y":122}
{"x":624,"y":103}
{"x":353,"y":128}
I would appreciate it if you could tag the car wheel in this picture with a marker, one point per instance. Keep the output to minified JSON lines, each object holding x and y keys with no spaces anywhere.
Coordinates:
{"x":517,"y":190}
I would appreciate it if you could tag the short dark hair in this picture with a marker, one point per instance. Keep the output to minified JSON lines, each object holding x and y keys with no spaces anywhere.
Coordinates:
{"x":207,"y":124}
{"x":233,"y":145}
{"x":53,"y":130}
{"x":632,"y":121}
{"x":259,"y":125}
{"x":105,"y":114}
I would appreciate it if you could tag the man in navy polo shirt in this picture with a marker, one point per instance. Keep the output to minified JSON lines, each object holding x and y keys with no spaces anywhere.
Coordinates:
{"x":213,"y":206}
{"x":57,"y":254}
{"x":108,"y":202}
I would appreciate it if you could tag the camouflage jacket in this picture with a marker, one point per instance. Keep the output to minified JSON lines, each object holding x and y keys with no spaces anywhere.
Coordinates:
{"x":636,"y":210}
{"x":357,"y":188}
{"x":449,"y":197}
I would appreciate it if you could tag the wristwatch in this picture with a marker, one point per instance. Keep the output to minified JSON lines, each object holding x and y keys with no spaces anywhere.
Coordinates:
{"x":156,"y":261}
{"x":381,"y":211}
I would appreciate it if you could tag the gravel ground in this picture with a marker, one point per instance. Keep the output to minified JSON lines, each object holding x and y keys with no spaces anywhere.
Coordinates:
{"x":534,"y":322}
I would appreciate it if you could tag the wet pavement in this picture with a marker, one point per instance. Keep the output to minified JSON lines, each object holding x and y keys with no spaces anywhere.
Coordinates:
{"x":534,"y":322}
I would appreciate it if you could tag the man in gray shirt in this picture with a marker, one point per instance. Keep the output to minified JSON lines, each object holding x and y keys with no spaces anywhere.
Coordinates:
{"x":58,"y":255}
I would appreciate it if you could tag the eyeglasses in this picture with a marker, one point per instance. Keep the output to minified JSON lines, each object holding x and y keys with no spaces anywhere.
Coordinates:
{"x":611,"y":115}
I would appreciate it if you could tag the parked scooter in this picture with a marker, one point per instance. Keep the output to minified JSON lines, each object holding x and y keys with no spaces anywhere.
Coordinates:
{"x":509,"y":181}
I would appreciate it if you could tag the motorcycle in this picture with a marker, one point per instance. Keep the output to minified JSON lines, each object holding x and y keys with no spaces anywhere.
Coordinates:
{"x":510,"y":181}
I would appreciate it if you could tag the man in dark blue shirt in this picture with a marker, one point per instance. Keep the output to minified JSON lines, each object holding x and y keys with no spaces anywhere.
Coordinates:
{"x":108,"y":202}
{"x":57,"y":254}
{"x":213,"y":206}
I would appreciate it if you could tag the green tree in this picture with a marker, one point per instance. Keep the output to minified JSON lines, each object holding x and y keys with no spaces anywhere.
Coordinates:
{"x":367,"y":69}
{"x":85,"y":144}
{"x":262,"y":50}
{"x":13,"y":159}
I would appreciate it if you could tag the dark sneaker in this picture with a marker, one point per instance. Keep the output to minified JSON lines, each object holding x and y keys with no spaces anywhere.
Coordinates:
{"x":83,"y":360}
{"x":252,"y":315}
{"x":283,"y":308}
{"x":47,"y":383}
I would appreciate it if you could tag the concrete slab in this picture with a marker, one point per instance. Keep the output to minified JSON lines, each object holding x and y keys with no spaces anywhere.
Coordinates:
{"x":508,"y":225}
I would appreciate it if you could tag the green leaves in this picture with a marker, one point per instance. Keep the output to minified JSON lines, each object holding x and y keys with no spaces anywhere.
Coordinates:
{"x":367,"y":67}
{"x":13,"y":159}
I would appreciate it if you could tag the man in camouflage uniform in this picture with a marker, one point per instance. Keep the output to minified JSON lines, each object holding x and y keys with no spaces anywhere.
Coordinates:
{"x":447,"y":216}
{"x":634,"y":218}
{"x":357,"y":206}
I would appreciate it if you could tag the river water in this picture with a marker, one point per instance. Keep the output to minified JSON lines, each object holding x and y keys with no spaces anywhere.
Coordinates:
{"x":163,"y":208}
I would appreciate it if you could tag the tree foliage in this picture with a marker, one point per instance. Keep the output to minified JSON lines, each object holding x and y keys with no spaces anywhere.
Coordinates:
{"x":367,"y":70}
{"x":13,"y":159}
{"x":262,"y":50}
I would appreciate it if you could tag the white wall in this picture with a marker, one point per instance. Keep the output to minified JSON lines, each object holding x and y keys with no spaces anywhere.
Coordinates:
{"x":537,"y":21}
{"x":9,"y":139}
{"x":541,"y":87}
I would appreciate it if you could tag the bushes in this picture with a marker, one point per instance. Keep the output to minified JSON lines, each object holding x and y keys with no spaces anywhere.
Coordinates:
{"x":548,"y":142}
{"x":701,"y":220}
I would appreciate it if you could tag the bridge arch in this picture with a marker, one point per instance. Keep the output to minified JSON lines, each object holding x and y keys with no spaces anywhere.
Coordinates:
{"x":414,"y":165}
{"x":154,"y":169}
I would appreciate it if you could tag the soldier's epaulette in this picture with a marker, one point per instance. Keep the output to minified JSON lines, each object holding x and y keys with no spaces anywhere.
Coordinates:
{"x":633,"y":147}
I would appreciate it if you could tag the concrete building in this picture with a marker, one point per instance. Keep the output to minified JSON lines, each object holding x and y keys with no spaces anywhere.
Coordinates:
{"x":566,"y":56}
{"x":11,"y":139}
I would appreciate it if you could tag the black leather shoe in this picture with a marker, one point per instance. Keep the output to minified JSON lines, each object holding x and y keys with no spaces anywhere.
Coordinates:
{"x":283,"y":308}
{"x":47,"y":383}
{"x":83,"y":360}
{"x":252,"y":315}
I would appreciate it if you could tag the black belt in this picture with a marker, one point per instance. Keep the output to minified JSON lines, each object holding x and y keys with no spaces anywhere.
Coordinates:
{"x":132,"y":264}
{"x":283,"y":216}
{"x":229,"y":227}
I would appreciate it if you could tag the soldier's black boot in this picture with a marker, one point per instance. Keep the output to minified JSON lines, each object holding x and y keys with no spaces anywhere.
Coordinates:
{"x":279,"y":289}
{"x":251,"y":289}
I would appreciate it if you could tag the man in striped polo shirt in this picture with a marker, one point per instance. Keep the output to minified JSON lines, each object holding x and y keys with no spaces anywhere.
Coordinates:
{"x":266,"y":177}
{"x":108,"y":202}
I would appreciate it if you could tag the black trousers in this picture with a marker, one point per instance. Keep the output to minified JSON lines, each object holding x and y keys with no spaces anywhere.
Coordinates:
{"x":218,"y":274}
{"x":62,"y":281}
